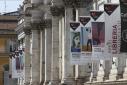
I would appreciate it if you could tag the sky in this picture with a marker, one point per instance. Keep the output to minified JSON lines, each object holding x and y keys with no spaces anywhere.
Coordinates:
{"x":11,"y":5}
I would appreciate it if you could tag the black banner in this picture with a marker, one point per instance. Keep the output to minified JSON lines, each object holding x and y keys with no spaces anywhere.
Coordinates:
{"x":74,"y":25}
{"x":84,"y":20}
{"x":95,"y":14}
{"x":109,"y":8}
{"x":123,"y":6}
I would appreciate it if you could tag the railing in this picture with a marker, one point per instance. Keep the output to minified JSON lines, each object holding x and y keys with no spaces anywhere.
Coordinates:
{"x":117,"y":74}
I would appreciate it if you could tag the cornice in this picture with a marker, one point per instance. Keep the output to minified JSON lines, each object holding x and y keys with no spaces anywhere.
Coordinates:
{"x":57,"y":10}
{"x":77,"y":3}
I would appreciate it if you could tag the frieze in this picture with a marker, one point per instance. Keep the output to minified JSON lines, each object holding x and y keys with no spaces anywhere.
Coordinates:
{"x":77,"y":3}
{"x":57,"y":11}
{"x":46,"y":23}
{"x":27,"y":31}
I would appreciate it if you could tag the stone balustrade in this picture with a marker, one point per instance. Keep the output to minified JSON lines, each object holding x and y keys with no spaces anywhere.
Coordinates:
{"x":115,"y":75}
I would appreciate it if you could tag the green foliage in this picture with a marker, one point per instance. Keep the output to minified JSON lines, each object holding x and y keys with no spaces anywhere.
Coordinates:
{"x":6,"y":67}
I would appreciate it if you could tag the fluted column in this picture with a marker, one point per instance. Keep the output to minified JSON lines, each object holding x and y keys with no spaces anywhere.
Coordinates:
{"x":48,"y":46}
{"x":68,"y":73}
{"x":56,"y":12}
{"x":35,"y":61}
{"x":27,"y":57}
{"x":83,"y":71}
{"x":42,"y":56}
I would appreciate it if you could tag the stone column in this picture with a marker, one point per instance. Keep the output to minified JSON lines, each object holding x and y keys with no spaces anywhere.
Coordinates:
{"x":35,"y":61}
{"x":27,"y":58}
{"x":42,"y":56}
{"x":55,"y":45}
{"x":83,"y":71}
{"x":68,"y":71}
{"x":48,"y":46}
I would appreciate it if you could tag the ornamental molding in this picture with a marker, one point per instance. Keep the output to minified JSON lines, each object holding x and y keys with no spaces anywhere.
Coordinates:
{"x":77,"y":3}
{"x":45,"y":23}
{"x":57,"y":10}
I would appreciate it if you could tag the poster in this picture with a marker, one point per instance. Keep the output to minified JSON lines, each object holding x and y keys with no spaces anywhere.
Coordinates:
{"x":98,"y":34}
{"x":17,"y":64}
{"x":123,"y":6}
{"x":75,"y":42}
{"x":86,"y":39}
{"x":113,"y":29}
{"x":86,"y":34}
{"x":81,"y":41}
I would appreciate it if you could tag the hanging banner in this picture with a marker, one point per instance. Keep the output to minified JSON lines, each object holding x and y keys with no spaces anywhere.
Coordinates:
{"x":98,"y":34}
{"x":112,"y":29}
{"x":75,"y":42}
{"x":123,"y":6}
{"x":18,"y":64}
{"x":86,"y":38}
{"x":81,"y":41}
{"x":15,"y":66}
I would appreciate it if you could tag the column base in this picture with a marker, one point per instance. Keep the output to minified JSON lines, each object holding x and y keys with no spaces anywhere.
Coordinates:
{"x":80,"y":81}
{"x":54,"y":82}
{"x":35,"y":83}
{"x":46,"y":83}
{"x":27,"y":83}
{"x":68,"y":81}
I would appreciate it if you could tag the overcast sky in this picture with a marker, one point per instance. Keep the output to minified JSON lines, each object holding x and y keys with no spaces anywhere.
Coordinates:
{"x":11,"y":5}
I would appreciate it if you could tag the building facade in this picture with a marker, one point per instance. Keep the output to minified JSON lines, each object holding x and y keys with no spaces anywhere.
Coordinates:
{"x":43,"y":31}
{"x":8,"y":38}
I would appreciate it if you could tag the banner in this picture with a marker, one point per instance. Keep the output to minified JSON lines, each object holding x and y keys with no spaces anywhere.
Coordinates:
{"x":123,"y":6}
{"x":112,"y":29}
{"x":75,"y":42}
{"x":81,"y":41}
{"x":86,"y":38}
{"x":18,"y":64}
{"x":98,"y":34}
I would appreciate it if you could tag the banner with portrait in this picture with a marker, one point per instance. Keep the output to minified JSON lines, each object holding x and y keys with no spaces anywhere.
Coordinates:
{"x":123,"y":6}
{"x":98,"y":34}
{"x":113,"y":29}
{"x":75,"y":42}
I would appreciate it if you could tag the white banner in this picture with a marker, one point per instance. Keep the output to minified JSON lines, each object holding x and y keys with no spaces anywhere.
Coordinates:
{"x":17,"y":65}
{"x":98,"y":34}
{"x":75,"y":42}
{"x":112,"y":29}
{"x":86,"y":39}
{"x":81,"y":43}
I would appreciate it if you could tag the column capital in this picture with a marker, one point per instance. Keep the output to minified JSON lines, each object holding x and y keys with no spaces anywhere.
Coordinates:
{"x":36,"y":26}
{"x":76,"y":3}
{"x":27,"y":31}
{"x":57,"y":10}
{"x":45,"y":23}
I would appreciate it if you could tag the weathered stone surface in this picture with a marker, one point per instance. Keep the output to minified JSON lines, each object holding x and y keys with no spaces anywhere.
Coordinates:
{"x":35,"y":61}
{"x":48,"y":49}
{"x":27,"y":60}
{"x":57,"y":11}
